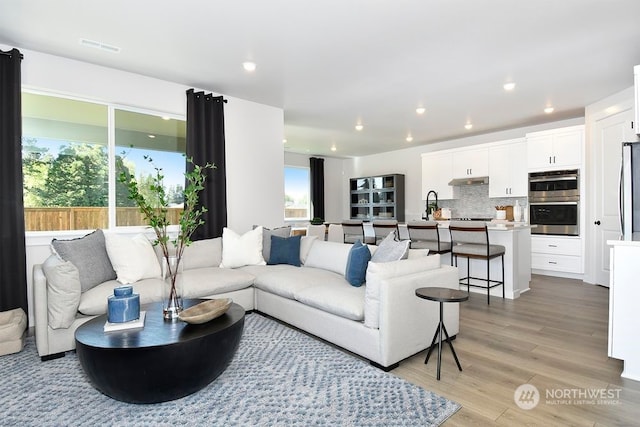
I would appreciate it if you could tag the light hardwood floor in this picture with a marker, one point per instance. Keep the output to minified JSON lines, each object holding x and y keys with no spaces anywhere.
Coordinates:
{"x":553,"y":337}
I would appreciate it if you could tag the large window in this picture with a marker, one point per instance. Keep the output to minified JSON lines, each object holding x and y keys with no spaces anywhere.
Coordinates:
{"x":296,"y":194}
{"x":71,"y":161}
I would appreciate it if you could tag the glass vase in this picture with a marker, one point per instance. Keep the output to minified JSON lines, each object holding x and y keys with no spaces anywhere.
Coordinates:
{"x":172,"y":290}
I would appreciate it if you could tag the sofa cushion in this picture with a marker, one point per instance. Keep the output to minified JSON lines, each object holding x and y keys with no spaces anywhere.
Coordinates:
{"x":206,"y":281}
{"x":94,"y":301}
{"x":359,"y":256}
{"x":203,"y":253}
{"x":286,"y":282}
{"x":133,"y":258}
{"x":330,"y":256}
{"x":89,"y":255}
{"x":285,"y":250}
{"x":335,"y":297}
{"x":305,"y":246}
{"x":378,"y":272}
{"x":239,"y":250}
{"x":63,"y":291}
{"x":266,"y":238}
{"x":390,"y":249}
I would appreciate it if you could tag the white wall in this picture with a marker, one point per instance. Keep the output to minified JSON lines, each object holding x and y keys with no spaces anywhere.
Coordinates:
{"x":409,"y":162}
{"x":254,"y":154}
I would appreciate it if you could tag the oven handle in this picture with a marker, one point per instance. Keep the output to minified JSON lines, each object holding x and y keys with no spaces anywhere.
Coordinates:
{"x":552,"y":203}
{"x":555,"y":178}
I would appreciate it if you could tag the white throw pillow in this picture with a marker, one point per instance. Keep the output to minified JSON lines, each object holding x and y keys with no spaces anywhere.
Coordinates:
{"x":63,"y":291}
{"x":240,"y":250}
{"x":133,"y":258}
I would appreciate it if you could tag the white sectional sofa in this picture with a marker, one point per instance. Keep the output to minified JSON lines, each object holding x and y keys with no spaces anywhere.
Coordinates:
{"x":382,"y":321}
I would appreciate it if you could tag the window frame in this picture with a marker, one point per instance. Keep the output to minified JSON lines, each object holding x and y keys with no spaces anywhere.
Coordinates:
{"x":308,"y":216}
{"x":111,"y":163}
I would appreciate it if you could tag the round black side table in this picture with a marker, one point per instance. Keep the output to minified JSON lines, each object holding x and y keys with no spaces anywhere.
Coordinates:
{"x":442,"y":295}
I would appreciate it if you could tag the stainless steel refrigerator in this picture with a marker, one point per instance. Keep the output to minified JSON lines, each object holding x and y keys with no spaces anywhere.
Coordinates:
{"x":630,"y":191}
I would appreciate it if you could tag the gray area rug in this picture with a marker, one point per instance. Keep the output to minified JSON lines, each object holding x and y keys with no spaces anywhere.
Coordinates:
{"x":278,"y":377}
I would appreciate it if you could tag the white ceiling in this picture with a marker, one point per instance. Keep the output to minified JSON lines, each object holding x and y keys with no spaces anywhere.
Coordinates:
{"x":332,"y":63}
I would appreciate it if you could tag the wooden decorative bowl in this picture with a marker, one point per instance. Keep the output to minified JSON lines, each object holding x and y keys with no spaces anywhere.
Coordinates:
{"x":205,"y":311}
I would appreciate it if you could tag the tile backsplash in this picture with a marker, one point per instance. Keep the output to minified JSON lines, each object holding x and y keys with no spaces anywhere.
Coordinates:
{"x":474,"y":201}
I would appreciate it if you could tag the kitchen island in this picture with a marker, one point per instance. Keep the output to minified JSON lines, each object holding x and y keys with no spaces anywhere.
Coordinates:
{"x":515,"y":237}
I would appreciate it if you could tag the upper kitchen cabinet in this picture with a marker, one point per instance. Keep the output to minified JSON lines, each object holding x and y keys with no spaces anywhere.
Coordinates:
{"x":556,"y":148}
{"x":471,"y":163}
{"x":436,"y":174}
{"x":508,"y":169}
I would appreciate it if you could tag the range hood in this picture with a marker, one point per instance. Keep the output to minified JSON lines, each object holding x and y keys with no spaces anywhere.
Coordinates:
{"x":469,"y":181}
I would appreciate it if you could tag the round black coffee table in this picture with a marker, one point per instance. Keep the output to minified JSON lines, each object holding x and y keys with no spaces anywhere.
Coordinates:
{"x":163,"y":361}
{"x":441,"y":295}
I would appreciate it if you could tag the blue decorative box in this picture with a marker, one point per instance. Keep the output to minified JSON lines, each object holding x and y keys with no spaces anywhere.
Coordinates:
{"x":123,"y":305}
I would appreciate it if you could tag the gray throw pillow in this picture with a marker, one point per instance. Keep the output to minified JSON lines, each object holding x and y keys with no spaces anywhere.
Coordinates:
{"x":266,"y":238}
{"x":89,"y":255}
{"x":391,"y":250}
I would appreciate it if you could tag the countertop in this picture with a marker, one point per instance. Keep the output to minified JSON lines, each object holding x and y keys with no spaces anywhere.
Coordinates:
{"x":498,"y":226}
{"x":623,"y":243}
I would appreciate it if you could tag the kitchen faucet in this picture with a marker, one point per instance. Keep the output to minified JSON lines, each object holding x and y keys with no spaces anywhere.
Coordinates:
{"x":435,"y":207}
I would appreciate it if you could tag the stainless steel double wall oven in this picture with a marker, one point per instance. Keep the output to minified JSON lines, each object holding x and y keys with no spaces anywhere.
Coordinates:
{"x":554,"y":202}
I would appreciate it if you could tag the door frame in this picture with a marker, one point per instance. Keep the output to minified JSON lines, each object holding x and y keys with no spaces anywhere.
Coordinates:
{"x":610,"y":106}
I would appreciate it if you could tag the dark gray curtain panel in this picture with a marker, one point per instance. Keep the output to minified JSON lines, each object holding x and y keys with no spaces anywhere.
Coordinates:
{"x":206,"y":144}
{"x":13,"y":266}
{"x":316,"y":178}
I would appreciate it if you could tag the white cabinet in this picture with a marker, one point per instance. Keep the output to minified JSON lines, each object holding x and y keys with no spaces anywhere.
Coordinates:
{"x":469,"y":163}
{"x":508,"y":169}
{"x":555,"y":149}
{"x":557,"y":253}
{"x":624,"y":294}
{"x":436,"y":174}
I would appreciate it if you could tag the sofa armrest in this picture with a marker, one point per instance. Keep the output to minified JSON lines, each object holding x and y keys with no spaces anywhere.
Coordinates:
{"x":407,"y":323}
{"x":41,"y":313}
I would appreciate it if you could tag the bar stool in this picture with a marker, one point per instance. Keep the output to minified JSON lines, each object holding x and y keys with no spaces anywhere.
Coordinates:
{"x":352,"y":230}
{"x":319,"y":231}
{"x":470,"y":239}
{"x":425,"y":235}
{"x":382,"y":228}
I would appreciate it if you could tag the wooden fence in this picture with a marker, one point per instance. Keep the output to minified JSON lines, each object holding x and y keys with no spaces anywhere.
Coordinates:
{"x":81,"y":218}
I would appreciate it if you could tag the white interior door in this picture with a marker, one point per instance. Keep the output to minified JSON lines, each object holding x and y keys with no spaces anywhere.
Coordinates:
{"x":609,"y":133}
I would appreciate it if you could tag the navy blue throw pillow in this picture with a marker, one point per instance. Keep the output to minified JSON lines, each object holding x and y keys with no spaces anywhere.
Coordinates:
{"x":285,"y":250}
{"x":359,"y":257}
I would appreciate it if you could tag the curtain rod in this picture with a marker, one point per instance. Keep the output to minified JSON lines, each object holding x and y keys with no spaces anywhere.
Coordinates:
{"x":10,"y":53}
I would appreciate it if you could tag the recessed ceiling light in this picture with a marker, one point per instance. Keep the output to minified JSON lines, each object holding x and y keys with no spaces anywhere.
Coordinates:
{"x":333,"y":148}
{"x":509,"y":86}
{"x":468,"y":126}
{"x":284,"y":140}
{"x":151,"y":136}
{"x":420,"y":110}
{"x":409,"y":138}
{"x":359,"y":127}
{"x":548,"y":110}
{"x":249,"y":66}
{"x":166,"y":118}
